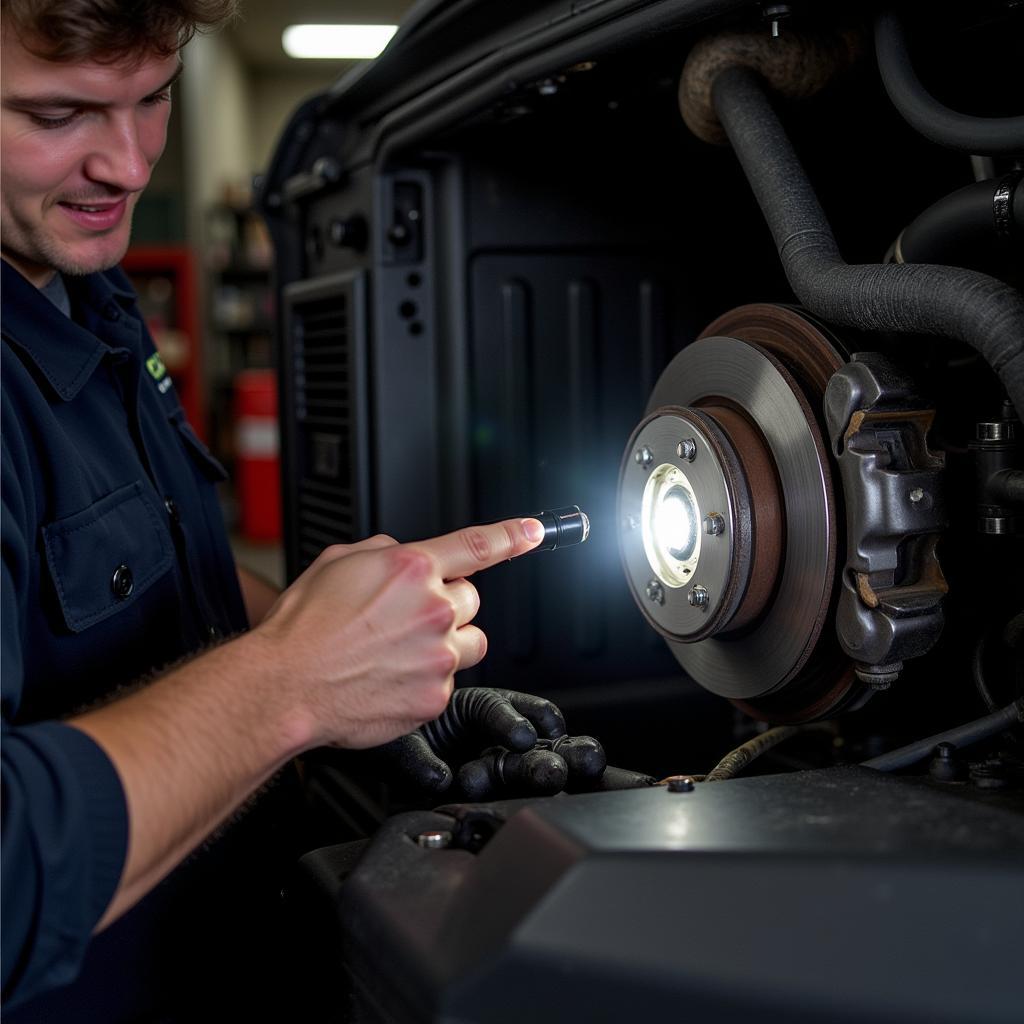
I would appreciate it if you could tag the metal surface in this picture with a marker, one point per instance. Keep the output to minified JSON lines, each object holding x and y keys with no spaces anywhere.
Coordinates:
{"x":890,"y":606}
{"x":836,"y":895}
{"x":714,"y":558}
{"x":732,"y":372}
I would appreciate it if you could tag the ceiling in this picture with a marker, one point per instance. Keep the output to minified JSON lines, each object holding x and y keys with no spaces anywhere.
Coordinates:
{"x":257,"y":34}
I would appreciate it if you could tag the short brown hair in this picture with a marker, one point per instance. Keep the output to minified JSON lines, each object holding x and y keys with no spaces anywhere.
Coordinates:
{"x":111,"y":30}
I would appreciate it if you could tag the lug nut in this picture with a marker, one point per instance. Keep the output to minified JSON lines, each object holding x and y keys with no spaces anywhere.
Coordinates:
{"x":643,"y":457}
{"x":655,"y":592}
{"x":687,"y":449}
{"x":714,"y":524}
{"x":698,"y":597}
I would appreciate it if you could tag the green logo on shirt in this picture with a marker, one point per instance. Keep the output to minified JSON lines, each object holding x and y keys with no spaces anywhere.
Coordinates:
{"x":156,"y":367}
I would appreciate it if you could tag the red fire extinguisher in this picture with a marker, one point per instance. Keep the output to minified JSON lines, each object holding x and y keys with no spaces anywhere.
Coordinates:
{"x":257,"y":455}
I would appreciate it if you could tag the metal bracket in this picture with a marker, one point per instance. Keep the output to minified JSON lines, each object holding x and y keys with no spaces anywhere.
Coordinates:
{"x":890,"y":604}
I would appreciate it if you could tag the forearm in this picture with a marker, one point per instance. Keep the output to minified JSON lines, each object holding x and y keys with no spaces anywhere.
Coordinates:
{"x":189,"y":749}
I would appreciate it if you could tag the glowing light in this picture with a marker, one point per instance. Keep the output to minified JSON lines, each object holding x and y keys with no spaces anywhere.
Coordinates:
{"x":675,"y":523}
{"x":337,"y":42}
{"x":670,"y":525}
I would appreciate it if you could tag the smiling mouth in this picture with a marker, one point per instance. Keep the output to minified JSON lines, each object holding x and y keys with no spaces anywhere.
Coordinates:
{"x":92,"y":207}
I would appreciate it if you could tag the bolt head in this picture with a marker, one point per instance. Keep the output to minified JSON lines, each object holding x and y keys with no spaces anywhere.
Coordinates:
{"x":630,"y":522}
{"x":698,"y":597}
{"x":687,"y":449}
{"x":916,"y":495}
{"x":643,"y":457}
{"x":680,"y":784}
{"x":714,"y":524}
{"x":655,"y":592}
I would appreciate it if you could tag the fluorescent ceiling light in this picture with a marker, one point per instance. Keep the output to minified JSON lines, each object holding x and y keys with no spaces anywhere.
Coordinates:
{"x":352,"y":42}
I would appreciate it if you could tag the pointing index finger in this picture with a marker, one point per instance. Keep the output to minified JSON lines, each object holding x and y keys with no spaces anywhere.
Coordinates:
{"x":473,"y":548}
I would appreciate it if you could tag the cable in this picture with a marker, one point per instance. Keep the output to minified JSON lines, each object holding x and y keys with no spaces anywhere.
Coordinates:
{"x":961,"y":736}
{"x":978,"y":135}
{"x":736,"y":760}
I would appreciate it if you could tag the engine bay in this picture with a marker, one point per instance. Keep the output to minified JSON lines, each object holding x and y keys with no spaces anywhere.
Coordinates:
{"x":743,"y":282}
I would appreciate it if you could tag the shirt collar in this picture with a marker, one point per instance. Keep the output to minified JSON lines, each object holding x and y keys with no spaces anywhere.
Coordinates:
{"x":67,"y":352}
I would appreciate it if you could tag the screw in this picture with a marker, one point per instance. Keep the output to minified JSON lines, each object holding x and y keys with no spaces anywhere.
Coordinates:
{"x":655,"y":592}
{"x":434,"y":840}
{"x":698,"y":596}
{"x":916,"y":495}
{"x":714,"y":524}
{"x":679,"y":784}
{"x":643,"y":457}
{"x":630,"y":523}
{"x":687,"y":449}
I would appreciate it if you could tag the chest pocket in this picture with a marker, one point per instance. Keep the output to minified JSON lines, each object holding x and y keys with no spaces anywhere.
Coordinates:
{"x":200,"y":454}
{"x":104,"y":558}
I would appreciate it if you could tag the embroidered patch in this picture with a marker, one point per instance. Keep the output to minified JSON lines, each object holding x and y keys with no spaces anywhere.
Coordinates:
{"x":156,"y":367}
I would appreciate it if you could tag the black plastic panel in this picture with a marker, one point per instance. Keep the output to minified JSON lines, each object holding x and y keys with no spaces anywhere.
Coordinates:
{"x":326,"y":423}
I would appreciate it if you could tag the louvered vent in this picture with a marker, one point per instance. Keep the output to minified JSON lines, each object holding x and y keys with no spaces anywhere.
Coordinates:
{"x":327,"y":486}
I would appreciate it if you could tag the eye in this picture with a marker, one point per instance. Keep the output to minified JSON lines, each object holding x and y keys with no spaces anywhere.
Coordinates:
{"x":157,"y":97}
{"x":53,"y":122}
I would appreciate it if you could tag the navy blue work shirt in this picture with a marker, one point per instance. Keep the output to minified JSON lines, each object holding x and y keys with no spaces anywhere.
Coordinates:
{"x":115,"y":564}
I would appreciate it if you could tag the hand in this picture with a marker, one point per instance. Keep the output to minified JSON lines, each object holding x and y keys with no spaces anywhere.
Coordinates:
{"x":366,"y":643}
{"x":490,"y":738}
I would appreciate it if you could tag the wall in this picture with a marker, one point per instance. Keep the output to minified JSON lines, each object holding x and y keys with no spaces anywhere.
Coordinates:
{"x":275,"y":96}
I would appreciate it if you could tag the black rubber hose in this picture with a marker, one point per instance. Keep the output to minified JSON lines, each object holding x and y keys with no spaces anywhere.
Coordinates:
{"x":968,"y":224}
{"x":962,"y":736}
{"x":917,"y":298}
{"x":986,"y":136}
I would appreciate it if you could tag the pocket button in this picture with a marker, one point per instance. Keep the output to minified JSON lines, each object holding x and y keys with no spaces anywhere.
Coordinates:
{"x":122,"y":582}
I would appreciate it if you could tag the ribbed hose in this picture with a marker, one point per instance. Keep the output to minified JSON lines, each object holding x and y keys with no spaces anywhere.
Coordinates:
{"x":917,"y":298}
{"x":992,"y":136}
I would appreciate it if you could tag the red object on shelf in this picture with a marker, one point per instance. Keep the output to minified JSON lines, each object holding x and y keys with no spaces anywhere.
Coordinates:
{"x":173,"y":322}
{"x":257,"y":455}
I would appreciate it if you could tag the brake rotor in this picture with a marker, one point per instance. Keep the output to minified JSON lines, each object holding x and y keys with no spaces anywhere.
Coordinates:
{"x":733,"y":422}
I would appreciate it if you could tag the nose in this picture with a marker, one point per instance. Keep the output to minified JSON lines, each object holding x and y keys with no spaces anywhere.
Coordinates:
{"x":118,"y":158}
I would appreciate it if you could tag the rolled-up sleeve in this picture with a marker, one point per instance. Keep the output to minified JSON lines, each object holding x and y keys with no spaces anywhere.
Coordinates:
{"x":65,"y":820}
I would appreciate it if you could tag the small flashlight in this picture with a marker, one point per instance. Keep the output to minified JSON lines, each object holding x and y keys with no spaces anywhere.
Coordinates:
{"x":563,"y":527}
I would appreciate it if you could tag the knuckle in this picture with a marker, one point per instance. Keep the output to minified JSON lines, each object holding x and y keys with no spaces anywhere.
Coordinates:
{"x":478,"y":544}
{"x":444,"y":662}
{"x":411,"y":561}
{"x":440,"y":613}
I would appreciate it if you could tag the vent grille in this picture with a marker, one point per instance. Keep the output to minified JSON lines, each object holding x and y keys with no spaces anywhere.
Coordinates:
{"x":325,"y":389}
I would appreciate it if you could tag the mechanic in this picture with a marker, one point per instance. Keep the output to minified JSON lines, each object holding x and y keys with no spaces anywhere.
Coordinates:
{"x":140,"y":711}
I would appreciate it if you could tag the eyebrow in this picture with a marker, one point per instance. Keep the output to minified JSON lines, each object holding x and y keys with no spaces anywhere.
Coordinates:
{"x":56,"y":100}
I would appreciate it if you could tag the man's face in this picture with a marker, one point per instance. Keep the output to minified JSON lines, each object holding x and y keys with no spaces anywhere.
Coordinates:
{"x":78,"y":144}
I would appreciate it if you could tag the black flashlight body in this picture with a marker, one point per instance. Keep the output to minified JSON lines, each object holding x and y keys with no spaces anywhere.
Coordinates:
{"x":563,"y":527}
